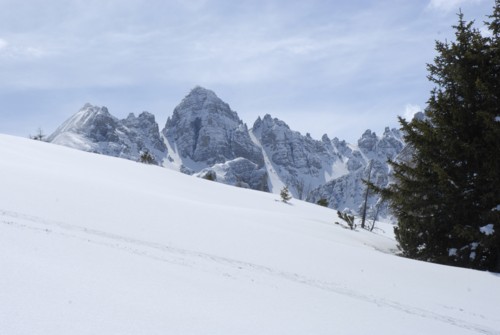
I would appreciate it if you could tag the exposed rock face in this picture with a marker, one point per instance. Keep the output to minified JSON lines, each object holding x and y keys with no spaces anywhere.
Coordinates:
{"x":145,"y":131}
{"x":370,"y":158}
{"x":204,"y":129}
{"x":300,"y":162}
{"x":94,"y":129}
{"x":239,"y":172}
{"x":327,"y":169}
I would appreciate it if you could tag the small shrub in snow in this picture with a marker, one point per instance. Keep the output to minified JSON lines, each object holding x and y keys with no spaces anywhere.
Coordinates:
{"x":285,"y":194}
{"x":40,"y":136}
{"x":322,"y":202}
{"x":349,"y":219}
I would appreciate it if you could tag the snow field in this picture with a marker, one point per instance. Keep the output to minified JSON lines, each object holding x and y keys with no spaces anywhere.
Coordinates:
{"x":93,"y":244}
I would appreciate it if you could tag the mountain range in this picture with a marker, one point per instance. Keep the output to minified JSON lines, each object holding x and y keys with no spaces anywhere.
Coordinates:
{"x":204,"y":137}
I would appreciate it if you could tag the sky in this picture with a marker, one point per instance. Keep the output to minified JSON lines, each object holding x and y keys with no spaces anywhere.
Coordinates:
{"x":324,"y":67}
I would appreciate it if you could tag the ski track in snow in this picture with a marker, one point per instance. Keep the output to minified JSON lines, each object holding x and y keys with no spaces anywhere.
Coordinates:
{"x":229,"y":268}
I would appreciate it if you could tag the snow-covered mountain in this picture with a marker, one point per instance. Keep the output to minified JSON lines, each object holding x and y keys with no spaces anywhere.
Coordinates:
{"x":204,"y":134}
{"x":205,"y":137}
{"x":204,"y":129}
{"x":297,"y":161}
{"x":368,"y":161}
{"x":91,"y":244}
{"x":94,"y":129}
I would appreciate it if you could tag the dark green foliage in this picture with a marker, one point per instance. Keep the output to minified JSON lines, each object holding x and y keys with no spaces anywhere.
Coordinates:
{"x":147,"y":158}
{"x":322,"y":202}
{"x":210,"y":175}
{"x":447,"y":192}
{"x":285,"y":194}
{"x":347,"y":218}
{"x":367,"y":191}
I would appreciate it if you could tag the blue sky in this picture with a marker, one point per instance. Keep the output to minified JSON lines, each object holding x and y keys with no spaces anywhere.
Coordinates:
{"x":334,"y":67}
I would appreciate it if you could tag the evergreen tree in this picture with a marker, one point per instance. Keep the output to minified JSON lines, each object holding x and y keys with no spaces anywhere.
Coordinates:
{"x":285,"y":194}
{"x":446,"y":197}
{"x":147,"y":158}
{"x":322,"y":202}
{"x":210,"y":175}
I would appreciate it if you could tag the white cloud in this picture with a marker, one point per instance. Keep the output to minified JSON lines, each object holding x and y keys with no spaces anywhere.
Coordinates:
{"x":20,"y":53}
{"x":449,"y":5}
{"x":3,"y":44}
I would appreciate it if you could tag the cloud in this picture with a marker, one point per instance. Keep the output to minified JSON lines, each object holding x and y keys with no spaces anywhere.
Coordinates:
{"x":280,"y":57}
{"x":449,"y":5}
{"x":18,"y":52}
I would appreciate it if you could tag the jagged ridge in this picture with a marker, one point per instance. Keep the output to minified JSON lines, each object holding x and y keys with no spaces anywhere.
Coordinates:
{"x":204,"y":136}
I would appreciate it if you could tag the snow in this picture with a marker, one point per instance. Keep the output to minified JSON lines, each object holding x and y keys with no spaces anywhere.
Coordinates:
{"x":488,"y":229}
{"x":78,"y":120}
{"x":75,"y":141}
{"x":91,"y":244}
{"x":173,"y":161}
{"x":339,"y":169}
{"x":274,"y":182}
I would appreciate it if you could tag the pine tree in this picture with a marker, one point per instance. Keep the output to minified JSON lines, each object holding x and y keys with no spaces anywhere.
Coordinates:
{"x":147,"y":158}
{"x":285,"y":194}
{"x":446,"y":197}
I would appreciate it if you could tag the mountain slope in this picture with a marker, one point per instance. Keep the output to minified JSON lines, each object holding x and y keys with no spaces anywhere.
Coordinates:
{"x":93,"y":244}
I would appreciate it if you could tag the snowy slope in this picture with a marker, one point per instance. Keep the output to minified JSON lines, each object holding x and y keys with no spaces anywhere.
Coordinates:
{"x":91,"y":244}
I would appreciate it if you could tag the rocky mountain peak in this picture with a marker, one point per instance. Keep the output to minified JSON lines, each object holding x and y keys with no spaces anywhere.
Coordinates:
{"x":204,"y":129}
{"x":267,"y":123}
{"x":94,"y":129}
{"x":367,"y":141}
{"x":203,"y":93}
{"x":144,"y":117}
{"x":85,"y":120}
{"x":202,"y":103}
{"x":91,"y":121}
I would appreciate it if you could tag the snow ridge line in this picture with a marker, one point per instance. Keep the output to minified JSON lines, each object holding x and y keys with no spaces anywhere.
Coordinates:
{"x":231,"y":268}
